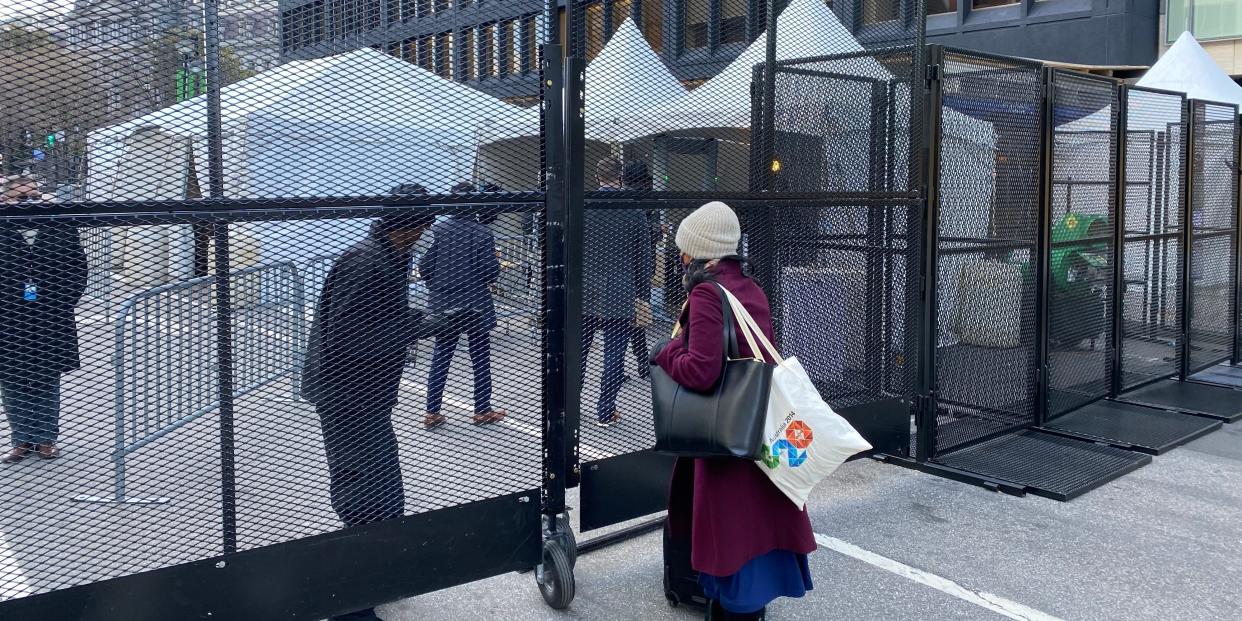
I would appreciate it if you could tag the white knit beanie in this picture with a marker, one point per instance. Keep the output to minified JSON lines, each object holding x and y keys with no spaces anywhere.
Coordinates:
{"x":711,"y":232}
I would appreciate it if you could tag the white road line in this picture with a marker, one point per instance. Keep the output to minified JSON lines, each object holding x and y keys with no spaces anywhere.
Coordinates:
{"x":521,"y":427}
{"x":13,"y":582}
{"x":995,"y":603}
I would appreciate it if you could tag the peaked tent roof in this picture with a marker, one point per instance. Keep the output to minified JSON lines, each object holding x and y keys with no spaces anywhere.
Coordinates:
{"x":1187,"y":68}
{"x":625,"y":76}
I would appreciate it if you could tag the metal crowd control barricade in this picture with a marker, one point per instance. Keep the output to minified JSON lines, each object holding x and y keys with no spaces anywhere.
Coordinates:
{"x":165,"y":356}
{"x":1130,"y":251}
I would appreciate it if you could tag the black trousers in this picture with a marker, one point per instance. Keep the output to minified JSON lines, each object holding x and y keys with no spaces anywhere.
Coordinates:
{"x":361,"y":448}
{"x":638,"y":343}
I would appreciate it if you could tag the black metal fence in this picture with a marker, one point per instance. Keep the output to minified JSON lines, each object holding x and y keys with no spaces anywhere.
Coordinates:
{"x":227,"y":351}
{"x":1081,"y":254}
{"x":1212,"y":269}
{"x":985,"y":184}
{"x":1151,"y":289}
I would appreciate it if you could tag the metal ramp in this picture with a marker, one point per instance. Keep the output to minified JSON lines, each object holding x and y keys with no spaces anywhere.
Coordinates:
{"x":1045,"y":464}
{"x":1135,"y":427}
{"x":1222,"y":374}
{"x":1218,"y":402}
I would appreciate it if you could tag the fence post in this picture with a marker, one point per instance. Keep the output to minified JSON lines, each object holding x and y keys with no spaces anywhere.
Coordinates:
{"x":575,"y":179}
{"x":556,"y":371}
{"x":929,"y":330}
{"x":1119,"y":235}
{"x":1237,"y":236}
{"x":224,"y":311}
{"x":1043,"y":248}
{"x":1188,"y":225}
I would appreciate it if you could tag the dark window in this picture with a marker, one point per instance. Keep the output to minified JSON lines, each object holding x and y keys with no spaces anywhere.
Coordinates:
{"x":444,"y":54}
{"x":506,"y":51}
{"x":696,"y":16}
{"x":530,"y":48}
{"x":374,"y":16}
{"x":733,"y":21}
{"x":880,"y":11}
{"x":487,"y":50}
{"x":988,"y":4}
{"x":653,"y":23}
{"x":937,"y":7}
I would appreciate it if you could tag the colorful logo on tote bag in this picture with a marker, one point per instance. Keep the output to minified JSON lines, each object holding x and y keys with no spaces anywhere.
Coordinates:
{"x":798,"y":438}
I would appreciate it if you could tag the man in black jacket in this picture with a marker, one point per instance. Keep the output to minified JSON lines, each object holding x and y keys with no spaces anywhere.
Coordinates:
{"x":43,"y":275}
{"x":355,"y":358}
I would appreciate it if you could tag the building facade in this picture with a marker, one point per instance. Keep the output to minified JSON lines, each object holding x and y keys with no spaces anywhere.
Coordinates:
{"x":1217,"y":24}
{"x":492,"y":44}
{"x":1084,"y":32}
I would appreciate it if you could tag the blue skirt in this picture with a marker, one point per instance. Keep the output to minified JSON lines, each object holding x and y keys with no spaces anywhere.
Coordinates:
{"x":778,"y":573}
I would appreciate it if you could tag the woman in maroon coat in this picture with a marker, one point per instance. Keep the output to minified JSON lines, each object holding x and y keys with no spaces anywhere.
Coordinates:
{"x":747,"y":540}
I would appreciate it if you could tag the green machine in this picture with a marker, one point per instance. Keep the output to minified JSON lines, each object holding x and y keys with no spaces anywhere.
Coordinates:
{"x":1079,"y":277}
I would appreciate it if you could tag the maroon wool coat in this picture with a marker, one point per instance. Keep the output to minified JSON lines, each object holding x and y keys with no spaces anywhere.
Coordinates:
{"x":728,"y":509}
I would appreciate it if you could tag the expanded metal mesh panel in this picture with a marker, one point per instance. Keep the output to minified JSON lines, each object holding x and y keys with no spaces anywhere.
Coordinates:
{"x":109,"y":102}
{"x":679,"y":86}
{"x":1081,"y":259}
{"x":837,"y":276}
{"x":1151,"y":297}
{"x":844,"y":124}
{"x":188,"y":378}
{"x":1213,"y":251}
{"x":172,"y":446}
{"x":988,"y":219}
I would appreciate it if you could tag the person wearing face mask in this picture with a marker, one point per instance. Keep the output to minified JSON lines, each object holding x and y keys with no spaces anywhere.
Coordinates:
{"x":43,"y":275}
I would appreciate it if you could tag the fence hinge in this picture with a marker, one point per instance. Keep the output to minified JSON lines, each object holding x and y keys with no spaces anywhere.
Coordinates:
{"x":933,"y":72}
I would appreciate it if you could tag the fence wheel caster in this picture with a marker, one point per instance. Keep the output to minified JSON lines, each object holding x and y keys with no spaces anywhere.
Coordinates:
{"x":556,"y":574}
{"x":571,"y":543}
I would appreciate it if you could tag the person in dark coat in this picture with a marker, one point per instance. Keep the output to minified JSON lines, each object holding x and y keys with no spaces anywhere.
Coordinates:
{"x":354,"y":362}
{"x":43,"y":275}
{"x":748,"y":542}
{"x":638,"y":179}
{"x":614,"y":259}
{"x":459,"y":268}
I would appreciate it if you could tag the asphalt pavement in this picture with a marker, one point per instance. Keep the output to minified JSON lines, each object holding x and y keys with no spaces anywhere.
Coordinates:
{"x":1162,"y":543}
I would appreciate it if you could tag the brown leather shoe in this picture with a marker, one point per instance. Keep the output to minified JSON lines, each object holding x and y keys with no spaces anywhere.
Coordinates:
{"x":17,"y":454}
{"x":433,"y":420}
{"x":488,"y":418}
{"x":48,"y":451}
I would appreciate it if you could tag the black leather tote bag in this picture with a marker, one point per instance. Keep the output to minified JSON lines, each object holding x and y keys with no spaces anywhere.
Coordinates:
{"x":726,"y":421}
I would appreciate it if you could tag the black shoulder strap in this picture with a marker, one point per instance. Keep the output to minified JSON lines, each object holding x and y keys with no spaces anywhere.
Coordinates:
{"x":730,"y":333}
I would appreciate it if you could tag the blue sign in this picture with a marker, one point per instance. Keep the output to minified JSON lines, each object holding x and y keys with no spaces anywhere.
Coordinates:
{"x":37,"y":154}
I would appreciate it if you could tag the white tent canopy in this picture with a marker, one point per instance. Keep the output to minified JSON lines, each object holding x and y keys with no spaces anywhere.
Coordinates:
{"x":626,"y":77}
{"x":356,"y":123}
{"x":1187,"y":68}
{"x":622,"y":81}
{"x":353,"y":124}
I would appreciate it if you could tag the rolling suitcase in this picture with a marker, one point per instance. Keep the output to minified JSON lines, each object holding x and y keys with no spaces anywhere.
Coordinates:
{"x":681,"y":582}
